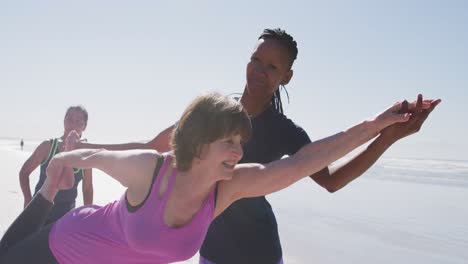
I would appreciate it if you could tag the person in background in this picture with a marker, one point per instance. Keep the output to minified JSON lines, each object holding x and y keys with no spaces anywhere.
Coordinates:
{"x":76,"y":119}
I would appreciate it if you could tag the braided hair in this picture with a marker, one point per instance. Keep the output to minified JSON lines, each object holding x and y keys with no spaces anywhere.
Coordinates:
{"x":288,"y":42}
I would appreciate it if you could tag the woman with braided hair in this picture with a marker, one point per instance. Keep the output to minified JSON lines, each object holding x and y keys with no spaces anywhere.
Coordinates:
{"x":247,"y":231}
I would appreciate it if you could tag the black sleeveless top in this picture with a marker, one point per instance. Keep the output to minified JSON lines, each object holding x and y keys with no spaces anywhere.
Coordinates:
{"x":63,"y":196}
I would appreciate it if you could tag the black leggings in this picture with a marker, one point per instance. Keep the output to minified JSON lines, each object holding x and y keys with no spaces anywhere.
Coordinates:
{"x":27,"y":239}
{"x":58,"y":210}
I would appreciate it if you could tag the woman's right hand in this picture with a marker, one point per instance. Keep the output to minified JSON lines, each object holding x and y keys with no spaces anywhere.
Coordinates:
{"x":419,"y":110}
{"x":401,"y":112}
{"x":71,"y":141}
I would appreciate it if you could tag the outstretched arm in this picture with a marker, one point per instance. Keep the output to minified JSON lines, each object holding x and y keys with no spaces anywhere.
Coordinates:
{"x":132,"y":168}
{"x":120,"y":146}
{"x":252,"y":180}
{"x":159,"y":143}
{"x":341,"y":176}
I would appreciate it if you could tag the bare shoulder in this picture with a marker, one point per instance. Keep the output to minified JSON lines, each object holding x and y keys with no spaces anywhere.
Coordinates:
{"x":231,"y":190}
{"x":45,"y":145}
{"x":39,"y":155}
{"x":243,"y":173}
{"x":43,"y":149}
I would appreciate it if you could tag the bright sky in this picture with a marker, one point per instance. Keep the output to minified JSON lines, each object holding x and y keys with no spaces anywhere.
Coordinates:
{"x":136,"y":64}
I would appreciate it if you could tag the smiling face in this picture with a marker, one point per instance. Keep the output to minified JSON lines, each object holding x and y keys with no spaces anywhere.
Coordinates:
{"x":268,"y":68}
{"x":222,"y":155}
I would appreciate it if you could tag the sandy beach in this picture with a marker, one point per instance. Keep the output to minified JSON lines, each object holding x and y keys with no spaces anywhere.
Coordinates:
{"x":401,"y":211}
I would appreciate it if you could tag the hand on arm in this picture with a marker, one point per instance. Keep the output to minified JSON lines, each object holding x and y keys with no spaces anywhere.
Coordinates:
{"x":252,"y":180}
{"x":420,"y":111}
{"x":340,"y":177}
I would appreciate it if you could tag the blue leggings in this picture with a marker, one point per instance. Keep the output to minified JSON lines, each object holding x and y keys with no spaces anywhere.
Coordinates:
{"x":27,"y":239}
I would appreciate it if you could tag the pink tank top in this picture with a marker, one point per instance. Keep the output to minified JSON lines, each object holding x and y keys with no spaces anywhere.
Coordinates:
{"x":112,"y":234}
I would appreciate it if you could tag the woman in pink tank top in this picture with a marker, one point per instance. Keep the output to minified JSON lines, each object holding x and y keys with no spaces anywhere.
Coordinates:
{"x":171,"y":198}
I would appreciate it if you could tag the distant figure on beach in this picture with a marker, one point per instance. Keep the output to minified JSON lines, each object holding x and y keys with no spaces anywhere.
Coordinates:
{"x":76,"y":119}
{"x":21,"y":144}
{"x":171,"y":198}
